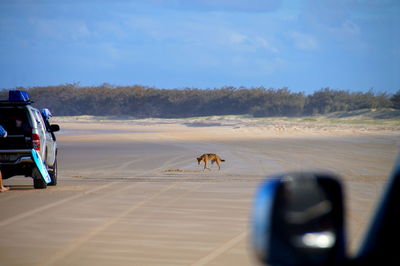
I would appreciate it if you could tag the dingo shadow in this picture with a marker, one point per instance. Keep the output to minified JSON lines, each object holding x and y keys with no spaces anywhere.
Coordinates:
{"x":182,"y":171}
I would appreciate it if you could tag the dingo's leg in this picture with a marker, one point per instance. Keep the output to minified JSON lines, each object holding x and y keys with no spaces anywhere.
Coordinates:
{"x":206,"y":165}
{"x":219,"y":166}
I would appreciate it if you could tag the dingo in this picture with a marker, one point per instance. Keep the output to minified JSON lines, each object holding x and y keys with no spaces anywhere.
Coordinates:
{"x":210,"y":157}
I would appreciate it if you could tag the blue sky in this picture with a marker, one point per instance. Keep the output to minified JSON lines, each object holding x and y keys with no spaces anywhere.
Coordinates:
{"x":303,"y":45}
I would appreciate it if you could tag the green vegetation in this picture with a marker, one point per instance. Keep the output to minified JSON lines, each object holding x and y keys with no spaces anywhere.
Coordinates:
{"x":141,"y":101}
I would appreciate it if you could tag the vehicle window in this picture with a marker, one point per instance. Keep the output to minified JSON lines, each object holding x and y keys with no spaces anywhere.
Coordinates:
{"x":15,"y":120}
{"x":46,"y":123}
{"x":39,"y":120}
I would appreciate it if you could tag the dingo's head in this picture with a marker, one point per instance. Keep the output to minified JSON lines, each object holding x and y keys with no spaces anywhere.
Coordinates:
{"x":199,"y":159}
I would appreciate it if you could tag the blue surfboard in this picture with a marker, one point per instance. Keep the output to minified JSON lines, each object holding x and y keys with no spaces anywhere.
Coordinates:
{"x":40,"y":165}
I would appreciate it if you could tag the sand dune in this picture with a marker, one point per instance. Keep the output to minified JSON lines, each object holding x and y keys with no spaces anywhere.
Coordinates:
{"x":131,"y":192}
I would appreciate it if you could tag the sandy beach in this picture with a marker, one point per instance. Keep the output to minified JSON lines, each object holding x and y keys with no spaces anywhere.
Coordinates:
{"x":131,"y":192}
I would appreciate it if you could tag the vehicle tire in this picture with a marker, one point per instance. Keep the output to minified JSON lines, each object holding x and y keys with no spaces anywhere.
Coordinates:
{"x":38,"y":181}
{"x":53,"y":174}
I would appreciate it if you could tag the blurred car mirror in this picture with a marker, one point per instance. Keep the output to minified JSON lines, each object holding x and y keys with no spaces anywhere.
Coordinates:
{"x":298,"y":220}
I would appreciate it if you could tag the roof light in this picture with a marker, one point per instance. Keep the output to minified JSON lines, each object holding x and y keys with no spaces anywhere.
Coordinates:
{"x":18,"y":96}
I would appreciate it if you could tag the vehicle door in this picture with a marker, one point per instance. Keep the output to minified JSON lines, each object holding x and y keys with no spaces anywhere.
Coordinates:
{"x":46,"y":149}
{"x":51,"y":143}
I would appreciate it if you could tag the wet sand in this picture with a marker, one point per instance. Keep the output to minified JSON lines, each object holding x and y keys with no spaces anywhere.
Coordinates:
{"x":131,"y":192}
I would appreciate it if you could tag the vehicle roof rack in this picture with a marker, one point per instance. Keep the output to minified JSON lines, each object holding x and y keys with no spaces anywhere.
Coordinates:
{"x":15,"y":103}
{"x":17,"y":97}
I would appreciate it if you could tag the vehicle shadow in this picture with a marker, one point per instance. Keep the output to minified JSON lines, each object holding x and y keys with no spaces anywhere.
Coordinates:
{"x":21,"y":187}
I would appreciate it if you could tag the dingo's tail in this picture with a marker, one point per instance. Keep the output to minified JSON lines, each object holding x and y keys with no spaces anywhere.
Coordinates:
{"x":222,"y":160}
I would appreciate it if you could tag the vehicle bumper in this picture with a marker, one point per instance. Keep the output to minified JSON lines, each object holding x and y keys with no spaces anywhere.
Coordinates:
{"x":15,"y":157}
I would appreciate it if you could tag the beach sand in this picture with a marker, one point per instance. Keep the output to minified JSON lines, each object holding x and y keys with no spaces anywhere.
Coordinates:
{"x":130,"y":192}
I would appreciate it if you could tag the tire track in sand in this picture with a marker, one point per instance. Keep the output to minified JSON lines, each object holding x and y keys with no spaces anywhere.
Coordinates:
{"x":53,"y":204}
{"x":220,"y":250}
{"x":65,"y":251}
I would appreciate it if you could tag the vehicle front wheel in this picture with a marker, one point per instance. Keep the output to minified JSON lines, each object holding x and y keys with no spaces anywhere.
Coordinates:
{"x":38,"y":181}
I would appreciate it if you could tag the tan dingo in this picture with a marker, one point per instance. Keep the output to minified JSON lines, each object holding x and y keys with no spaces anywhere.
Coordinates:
{"x":210,"y":157}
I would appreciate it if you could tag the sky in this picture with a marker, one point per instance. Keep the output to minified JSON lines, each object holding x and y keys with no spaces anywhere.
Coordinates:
{"x":304,"y":45}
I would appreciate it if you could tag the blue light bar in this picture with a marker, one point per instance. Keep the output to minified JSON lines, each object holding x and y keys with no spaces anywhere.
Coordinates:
{"x":18,"y":96}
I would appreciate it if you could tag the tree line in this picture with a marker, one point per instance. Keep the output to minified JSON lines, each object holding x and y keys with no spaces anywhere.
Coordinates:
{"x":141,"y":101}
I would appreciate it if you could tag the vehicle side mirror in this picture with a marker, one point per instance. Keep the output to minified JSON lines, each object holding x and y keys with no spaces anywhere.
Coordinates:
{"x":298,"y":220}
{"x":54,"y":128}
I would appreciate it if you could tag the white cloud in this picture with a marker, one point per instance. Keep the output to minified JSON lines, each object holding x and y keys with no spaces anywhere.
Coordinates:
{"x":349,"y":28}
{"x":222,"y":5}
{"x":267,"y":45}
{"x":202,"y":31}
{"x":110,"y":29}
{"x":60,"y":29}
{"x":304,"y":41}
{"x":251,"y":67}
{"x":237,"y":38}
